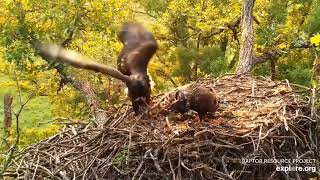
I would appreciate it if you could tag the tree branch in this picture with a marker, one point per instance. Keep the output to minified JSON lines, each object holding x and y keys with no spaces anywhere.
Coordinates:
{"x":165,"y":75}
{"x":17,"y":114}
{"x":82,"y":87}
{"x":233,"y":25}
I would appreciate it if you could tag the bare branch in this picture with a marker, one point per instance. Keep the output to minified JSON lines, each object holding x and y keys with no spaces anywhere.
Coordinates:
{"x":13,"y":148}
{"x":165,"y":75}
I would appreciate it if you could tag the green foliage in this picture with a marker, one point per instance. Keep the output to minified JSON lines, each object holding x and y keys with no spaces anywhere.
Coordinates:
{"x":313,"y":20}
{"x":185,"y":58}
{"x":120,"y":159}
{"x":262,"y":70}
{"x":32,"y":135}
{"x":35,"y":111}
{"x":276,"y":18}
{"x":154,"y":8}
{"x":299,"y":73}
{"x":213,"y":61}
{"x":277,"y":13}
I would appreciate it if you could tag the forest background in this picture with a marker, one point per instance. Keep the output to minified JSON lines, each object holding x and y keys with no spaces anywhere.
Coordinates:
{"x":197,"y":38}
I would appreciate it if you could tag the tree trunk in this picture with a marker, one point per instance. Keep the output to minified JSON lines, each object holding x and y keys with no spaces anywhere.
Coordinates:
{"x":85,"y":89}
{"x":196,"y":63}
{"x":247,"y":38}
{"x":7,"y":101}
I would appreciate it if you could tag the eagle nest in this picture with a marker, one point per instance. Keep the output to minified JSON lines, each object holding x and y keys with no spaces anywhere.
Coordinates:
{"x":262,"y":129}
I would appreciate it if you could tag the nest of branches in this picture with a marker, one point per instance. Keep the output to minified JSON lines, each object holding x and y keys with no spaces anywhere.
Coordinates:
{"x":260,"y":126}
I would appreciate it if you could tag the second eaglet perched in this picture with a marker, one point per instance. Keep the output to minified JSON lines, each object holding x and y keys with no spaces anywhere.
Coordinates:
{"x":200,"y":98}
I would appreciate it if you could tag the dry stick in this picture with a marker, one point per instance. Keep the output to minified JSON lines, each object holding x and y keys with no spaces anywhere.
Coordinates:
{"x":313,"y":99}
{"x":45,"y":170}
{"x":280,"y":165}
{"x":274,"y":157}
{"x":294,"y":96}
{"x":300,"y":134}
{"x":284,"y":112}
{"x":140,"y":165}
{"x":66,"y":164}
{"x":33,"y":158}
{"x":189,"y":169}
{"x":259,"y":138}
{"x":179,"y":165}
{"x":242,"y":171}
{"x":206,"y":144}
{"x":253,"y":144}
{"x":117,"y":122}
{"x":141,"y":175}
{"x":63,"y":174}
{"x":224,"y":165}
{"x":219,"y":173}
{"x":308,"y":153}
{"x":313,"y":143}
{"x":89,"y":165}
{"x":296,"y":137}
{"x":252,"y":89}
{"x":108,"y":158}
{"x":171,"y":168}
{"x":306,"y":117}
{"x":130,"y":136}
{"x":170,"y":127}
{"x":34,"y":173}
{"x":155,"y":160}
{"x":273,"y":174}
{"x":20,"y":164}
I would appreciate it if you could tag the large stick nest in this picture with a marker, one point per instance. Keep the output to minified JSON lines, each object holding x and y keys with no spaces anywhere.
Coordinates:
{"x":257,"y":119}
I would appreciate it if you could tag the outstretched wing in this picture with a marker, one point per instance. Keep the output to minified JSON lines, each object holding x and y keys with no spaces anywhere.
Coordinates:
{"x":139,"y":47}
{"x":139,"y":58}
{"x":57,"y":53}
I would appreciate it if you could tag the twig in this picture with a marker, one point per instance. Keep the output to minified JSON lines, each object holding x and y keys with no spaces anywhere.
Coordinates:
{"x":179,"y":165}
{"x":313,"y":99}
{"x":171,"y":168}
{"x":35,"y":170}
{"x":140,"y":165}
{"x":17,"y":114}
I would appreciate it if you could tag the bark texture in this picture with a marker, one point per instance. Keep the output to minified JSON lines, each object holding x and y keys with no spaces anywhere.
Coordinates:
{"x":247,"y":38}
{"x":7,"y":101}
{"x":86,"y":90}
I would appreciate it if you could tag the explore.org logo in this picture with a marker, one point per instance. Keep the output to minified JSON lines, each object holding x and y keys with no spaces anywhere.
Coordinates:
{"x":296,"y":168}
{"x":285,"y":165}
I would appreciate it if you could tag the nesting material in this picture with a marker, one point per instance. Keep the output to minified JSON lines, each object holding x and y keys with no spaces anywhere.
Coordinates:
{"x":257,"y":119}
